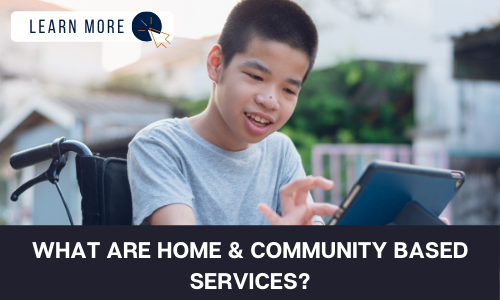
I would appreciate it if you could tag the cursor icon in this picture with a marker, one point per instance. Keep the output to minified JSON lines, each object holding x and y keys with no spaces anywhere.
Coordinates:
{"x":160,"y":36}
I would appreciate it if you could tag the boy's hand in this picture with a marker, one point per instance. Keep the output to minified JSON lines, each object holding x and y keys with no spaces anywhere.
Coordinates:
{"x":295,"y":209}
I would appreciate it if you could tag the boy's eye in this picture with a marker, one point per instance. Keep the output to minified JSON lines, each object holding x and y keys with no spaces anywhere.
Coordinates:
{"x":255,"y":77}
{"x":289,"y":91}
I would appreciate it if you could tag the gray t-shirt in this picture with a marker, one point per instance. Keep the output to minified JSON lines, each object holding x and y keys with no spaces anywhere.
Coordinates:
{"x":168,"y":162}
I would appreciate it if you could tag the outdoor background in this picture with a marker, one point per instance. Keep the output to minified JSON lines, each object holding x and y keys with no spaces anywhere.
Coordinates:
{"x":414,"y":81}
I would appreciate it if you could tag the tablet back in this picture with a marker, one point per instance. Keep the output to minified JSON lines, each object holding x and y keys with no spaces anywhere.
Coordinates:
{"x":386,"y":187}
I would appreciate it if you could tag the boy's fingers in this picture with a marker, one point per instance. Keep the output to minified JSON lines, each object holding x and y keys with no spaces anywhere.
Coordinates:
{"x":445,"y":220}
{"x":291,"y":194}
{"x":305,"y":185}
{"x":318,"y":181}
{"x":289,"y":189}
{"x":323,"y":209}
{"x":270,"y":214}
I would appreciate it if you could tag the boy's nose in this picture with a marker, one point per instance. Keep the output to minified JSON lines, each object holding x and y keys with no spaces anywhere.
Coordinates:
{"x":268,"y":101}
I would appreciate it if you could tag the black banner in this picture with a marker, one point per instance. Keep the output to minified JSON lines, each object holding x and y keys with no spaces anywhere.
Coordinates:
{"x":245,"y":262}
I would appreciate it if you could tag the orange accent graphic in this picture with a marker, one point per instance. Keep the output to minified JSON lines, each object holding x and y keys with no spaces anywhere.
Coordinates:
{"x":143,"y":22}
{"x":160,"y":44}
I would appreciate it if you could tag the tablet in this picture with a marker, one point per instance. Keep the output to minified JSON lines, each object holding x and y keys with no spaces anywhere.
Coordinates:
{"x":385,"y":188}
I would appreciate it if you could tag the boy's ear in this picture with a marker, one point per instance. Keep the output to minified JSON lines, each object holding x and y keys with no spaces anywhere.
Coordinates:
{"x":214,"y":63}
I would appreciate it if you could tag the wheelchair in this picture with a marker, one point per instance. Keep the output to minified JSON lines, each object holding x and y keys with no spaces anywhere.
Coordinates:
{"x":103,"y":182}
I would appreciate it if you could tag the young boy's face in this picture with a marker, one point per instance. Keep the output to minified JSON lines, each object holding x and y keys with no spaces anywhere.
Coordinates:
{"x":261,"y":83}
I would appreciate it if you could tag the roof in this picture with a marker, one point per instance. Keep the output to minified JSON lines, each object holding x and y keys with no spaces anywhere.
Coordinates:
{"x":106,"y":119}
{"x":477,"y":55}
{"x":473,"y":40}
{"x":106,"y":104}
{"x":114,"y":120}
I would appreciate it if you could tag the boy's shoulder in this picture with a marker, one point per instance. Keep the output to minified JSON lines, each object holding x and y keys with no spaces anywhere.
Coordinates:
{"x":159,"y":128}
{"x":280,"y":145}
{"x":278,"y":138}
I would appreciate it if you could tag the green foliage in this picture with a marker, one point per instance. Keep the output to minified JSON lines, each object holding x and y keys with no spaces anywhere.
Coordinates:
{"x":353,"y":102}
{"x":191,"y":108}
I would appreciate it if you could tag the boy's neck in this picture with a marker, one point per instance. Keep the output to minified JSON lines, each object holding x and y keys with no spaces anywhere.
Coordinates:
{"x":211,"y":127}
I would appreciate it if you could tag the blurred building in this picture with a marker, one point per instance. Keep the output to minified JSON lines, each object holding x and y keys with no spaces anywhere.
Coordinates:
{"x":49,"y":90}
{"x":418,"y":32}
{"x":106,"y":124}
{"x":457,"y":114}
{"x":477,"y":71}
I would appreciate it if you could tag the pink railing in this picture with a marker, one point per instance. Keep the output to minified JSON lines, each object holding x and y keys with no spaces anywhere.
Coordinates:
{"x":344,"y":163}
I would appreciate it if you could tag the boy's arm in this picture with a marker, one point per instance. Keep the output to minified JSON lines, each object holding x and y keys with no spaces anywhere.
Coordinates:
{"x":173,"y":214}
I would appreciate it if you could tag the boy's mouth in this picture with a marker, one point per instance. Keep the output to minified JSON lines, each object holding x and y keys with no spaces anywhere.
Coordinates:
{"x":257,"y":124}
{"x":258,"y":121}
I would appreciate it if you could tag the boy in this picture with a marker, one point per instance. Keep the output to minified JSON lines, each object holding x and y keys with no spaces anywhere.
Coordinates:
{"x":227,"y":163}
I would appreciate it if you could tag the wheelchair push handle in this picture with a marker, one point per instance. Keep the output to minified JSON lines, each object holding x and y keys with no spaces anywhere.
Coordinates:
{"x":58,"y":152}
{"x":31,"y":156}
{"x":45,"y":152}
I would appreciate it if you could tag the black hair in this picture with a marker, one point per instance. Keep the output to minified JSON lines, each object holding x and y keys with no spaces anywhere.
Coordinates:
{"x":275,"y":20}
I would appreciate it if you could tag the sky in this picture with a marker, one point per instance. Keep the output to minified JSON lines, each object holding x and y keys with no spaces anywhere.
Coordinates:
{"x":207,"y":19}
